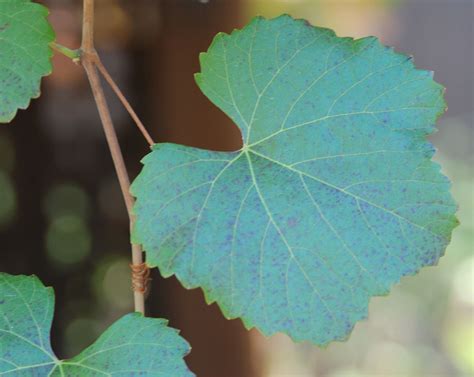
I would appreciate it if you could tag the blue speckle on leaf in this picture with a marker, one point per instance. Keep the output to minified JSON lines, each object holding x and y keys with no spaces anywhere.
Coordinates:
{"x":314,"y":215}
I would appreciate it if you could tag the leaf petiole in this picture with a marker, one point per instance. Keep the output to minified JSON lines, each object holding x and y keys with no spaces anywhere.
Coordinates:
{"x":75,"y":55}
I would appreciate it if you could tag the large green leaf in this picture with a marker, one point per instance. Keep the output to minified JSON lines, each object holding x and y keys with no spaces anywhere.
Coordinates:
{"x":333,"y":197}
{"x":134,"y":345}
{"x":25,"y":55}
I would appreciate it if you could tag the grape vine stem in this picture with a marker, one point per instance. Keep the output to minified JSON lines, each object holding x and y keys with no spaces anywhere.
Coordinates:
{"x":124,"y":100}
{"x":91,"y":62}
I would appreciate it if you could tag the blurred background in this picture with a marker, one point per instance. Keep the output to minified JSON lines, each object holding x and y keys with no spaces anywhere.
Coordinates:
{"x":63,"y":219}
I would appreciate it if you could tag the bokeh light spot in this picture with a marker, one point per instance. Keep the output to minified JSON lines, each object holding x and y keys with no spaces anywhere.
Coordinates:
{"x":112,"y":284}
{"x":66,"y":199}
{"x":68,"y":240}
{"x":7,"y":153}
{"x":8,"y":200}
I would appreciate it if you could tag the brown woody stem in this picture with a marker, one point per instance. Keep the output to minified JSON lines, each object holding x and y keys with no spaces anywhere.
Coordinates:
{"x":89,"y":61}
{"x":124,"y":101}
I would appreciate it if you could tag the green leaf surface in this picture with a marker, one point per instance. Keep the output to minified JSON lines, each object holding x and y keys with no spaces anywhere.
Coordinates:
{"x":333,"y":197}
{"x":132,"y":346}
{"x":25,"y":55}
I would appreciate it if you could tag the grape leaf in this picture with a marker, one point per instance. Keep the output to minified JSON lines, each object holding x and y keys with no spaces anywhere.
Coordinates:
{"x":134,"y":345}
{"x":25,"y":55}
{"x":332,"y":198}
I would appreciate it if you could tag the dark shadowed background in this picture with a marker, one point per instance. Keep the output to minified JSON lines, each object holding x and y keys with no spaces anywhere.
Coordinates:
{"x":63,"y":219}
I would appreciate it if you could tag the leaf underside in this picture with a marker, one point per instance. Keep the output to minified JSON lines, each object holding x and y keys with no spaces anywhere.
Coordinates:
{"x":333,"y":197}
{"x":25,"y":55}
{"x":134,"y":345}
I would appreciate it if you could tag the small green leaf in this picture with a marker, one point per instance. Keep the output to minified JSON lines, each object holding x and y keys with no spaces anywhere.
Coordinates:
{"x":134,"y":345}
{"x":333,"y":197}
{"x":25,"y":55}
